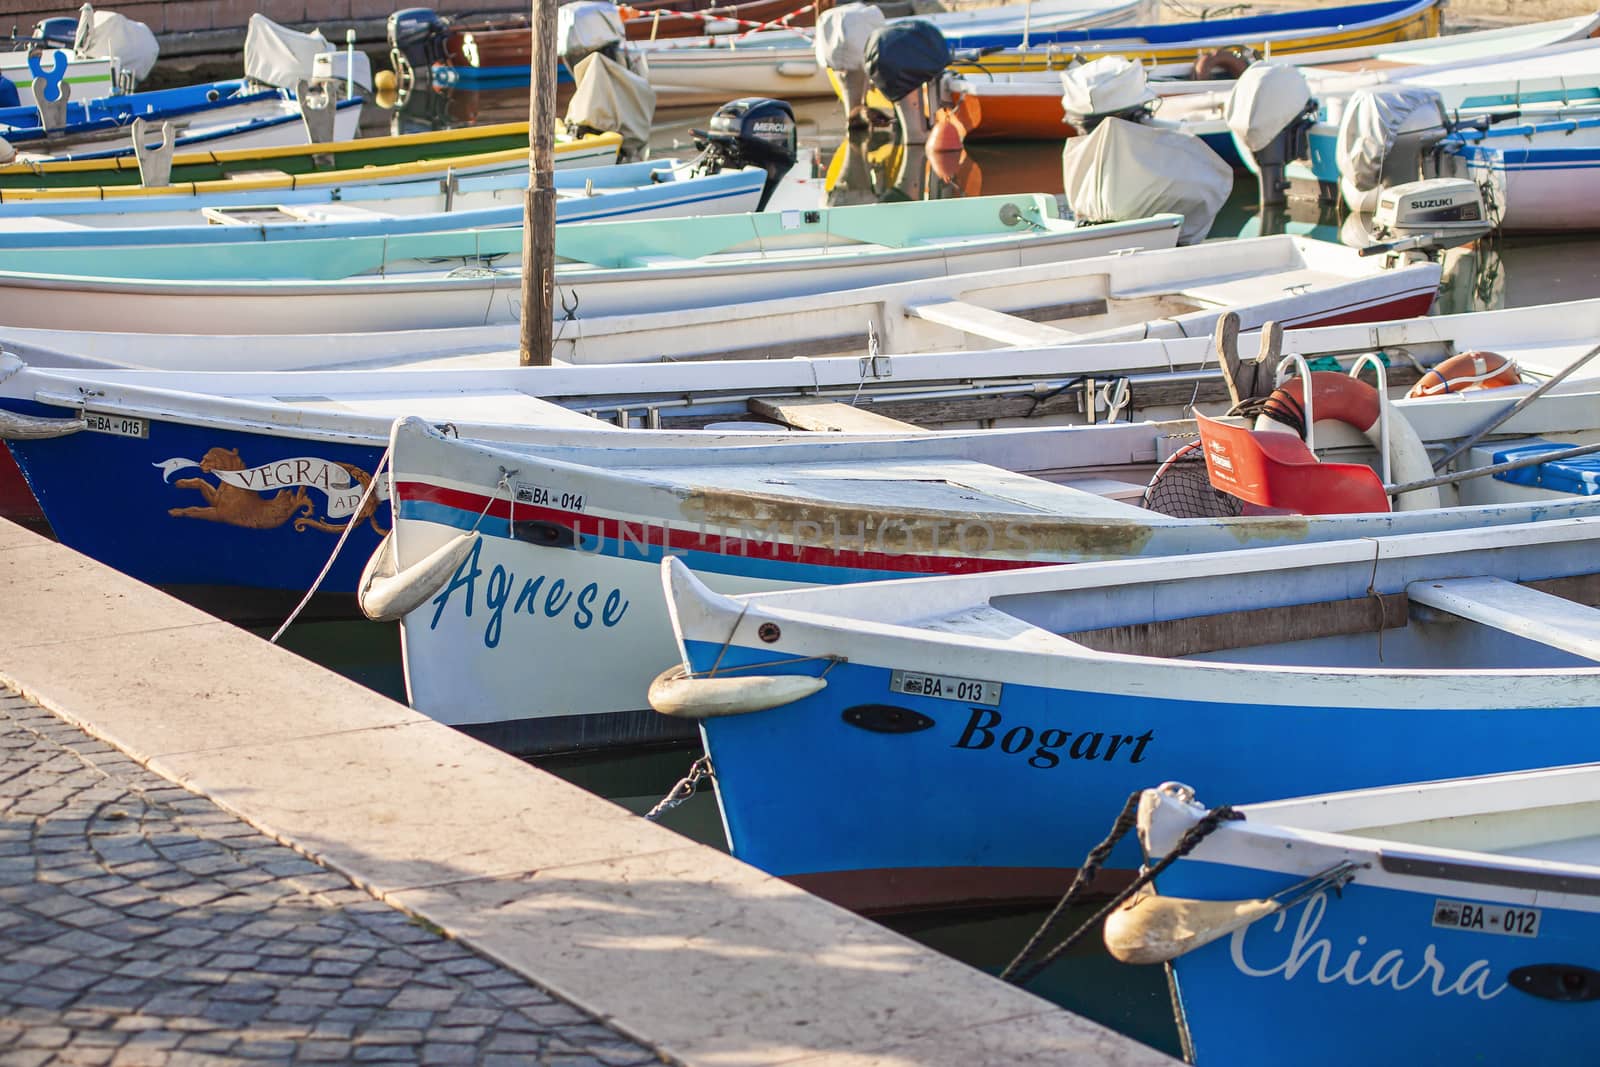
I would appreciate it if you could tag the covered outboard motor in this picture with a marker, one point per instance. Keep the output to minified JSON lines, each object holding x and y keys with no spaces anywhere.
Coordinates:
{"x":750,"y":132}
{"x":902,"y":57}
{"x":1108,"y":87}
{"x":586,"y":27}
{"x":1384,"y":136}
{"x":1125,"y":170}
{"x":106,"y":33}
{"x":841,"y":46}
{"x":417,"y":39}
{"x":610,"y":97}
{"x":1270,"y":112}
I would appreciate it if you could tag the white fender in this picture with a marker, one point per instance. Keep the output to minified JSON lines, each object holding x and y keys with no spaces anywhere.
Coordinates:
{"x":675,"y":693}
{"x":386,"y":595}
{"x":1151,"y":928}
{"x":15,"y":427}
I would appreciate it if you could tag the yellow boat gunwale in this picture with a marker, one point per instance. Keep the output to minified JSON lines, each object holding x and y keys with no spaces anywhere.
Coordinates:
{"x":417,"y":168}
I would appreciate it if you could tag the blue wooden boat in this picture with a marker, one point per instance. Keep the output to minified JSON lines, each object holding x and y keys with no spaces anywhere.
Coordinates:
{"x":978,"y":733}
{"x":1458,"y":920}
{"x":225,"y":111}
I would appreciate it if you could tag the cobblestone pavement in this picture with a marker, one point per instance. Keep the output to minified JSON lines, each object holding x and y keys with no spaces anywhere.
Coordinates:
{"x":142,"y":925}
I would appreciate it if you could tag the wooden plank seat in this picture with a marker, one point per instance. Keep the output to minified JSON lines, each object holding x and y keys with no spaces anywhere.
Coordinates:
{"x":1515,"y":609}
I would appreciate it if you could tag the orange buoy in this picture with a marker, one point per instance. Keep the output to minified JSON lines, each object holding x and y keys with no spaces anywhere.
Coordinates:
{"x":1223,"y":64}
{"x":1469,"y":370}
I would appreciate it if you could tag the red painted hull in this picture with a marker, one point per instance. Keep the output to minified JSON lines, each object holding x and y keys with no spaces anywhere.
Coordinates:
{"x":16,"y":499}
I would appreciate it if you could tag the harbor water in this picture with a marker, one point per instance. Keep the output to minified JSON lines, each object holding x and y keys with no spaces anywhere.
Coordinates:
{"x":1498,"y":273}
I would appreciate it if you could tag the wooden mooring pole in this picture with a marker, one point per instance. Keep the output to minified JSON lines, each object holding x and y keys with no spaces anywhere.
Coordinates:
{"x":539,"y":211}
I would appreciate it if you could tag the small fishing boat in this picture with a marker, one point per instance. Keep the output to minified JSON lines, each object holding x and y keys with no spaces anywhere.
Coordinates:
{"x":92,"y":77}
{"x":290,"y":166}
{"x":1456,"y":918}
{"x":1539,"y":173}
{"x":1160,"y":293}
{"x":630,"y":191}
{"x":487,"y":396}
{"x":981,"y":730}
{"x":434,"y":280}
{"x":1027,"y":106}
{"x":233,"y":114}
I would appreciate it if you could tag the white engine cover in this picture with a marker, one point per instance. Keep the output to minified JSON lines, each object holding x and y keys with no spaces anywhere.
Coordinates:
{"x":1375,"y":121}
{"x":1264,"y":100}
{"x":1126,"y":170}
{"x":1104,"y":85}
{"x":585,"y":27}
{"x":842,"y":35}
{"x":106,"y":33}
{"x":278,"y":56}
{"x":611,"y":97}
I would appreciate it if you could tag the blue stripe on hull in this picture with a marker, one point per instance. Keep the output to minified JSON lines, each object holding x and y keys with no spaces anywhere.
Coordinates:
{"x":106,"y":497}
{"x":924,"y":800}
{"x":1343,"y":957}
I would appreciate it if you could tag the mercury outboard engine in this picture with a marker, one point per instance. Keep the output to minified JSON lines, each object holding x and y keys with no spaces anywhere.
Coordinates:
{"x":416,"y":41}
{"x":753,"y":131}
{"x":1271,"y":112}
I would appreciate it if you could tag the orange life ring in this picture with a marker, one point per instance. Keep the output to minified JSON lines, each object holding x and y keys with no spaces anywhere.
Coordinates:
{"x":1469,"y":370}
{"x":1357,"y":404}
{"x":1224,"y":63}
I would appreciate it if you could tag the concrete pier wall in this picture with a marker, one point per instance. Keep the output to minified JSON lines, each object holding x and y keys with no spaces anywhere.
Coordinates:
{"x":695,"y":955}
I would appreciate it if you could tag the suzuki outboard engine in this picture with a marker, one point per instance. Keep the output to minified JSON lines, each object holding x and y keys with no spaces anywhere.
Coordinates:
{"x":1425,"y":216}
{"x":416,"y":42}
{"x":1270,"y":112}
{"x":1385,"y":137}
{"x":750,"y":132}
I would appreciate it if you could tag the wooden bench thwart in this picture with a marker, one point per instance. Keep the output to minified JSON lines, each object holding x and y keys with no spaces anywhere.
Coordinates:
{"x":1515,"y":609}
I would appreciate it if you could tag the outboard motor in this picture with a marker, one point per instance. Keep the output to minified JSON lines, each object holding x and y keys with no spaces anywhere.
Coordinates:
{"x":416,"y":42}
{"x":60,"y":31}
{"x":1425,"y":216}
{"x":753,"y":131}
{"x":1270,"y":112}
{"x":589,"y":26}
{"x":901,"y":57}
{"x":1108,"y":87}
{"x":1386,"y":135}
{"x":1129,"y":170}
{"x":841,"y":46}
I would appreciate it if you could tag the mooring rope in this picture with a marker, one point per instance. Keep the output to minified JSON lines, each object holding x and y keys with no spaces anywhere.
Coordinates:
{"x":1024,"y":968}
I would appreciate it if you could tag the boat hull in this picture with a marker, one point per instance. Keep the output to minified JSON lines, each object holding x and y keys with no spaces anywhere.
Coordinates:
{"x":1033,"y":779}
{"x":1425,"y":962}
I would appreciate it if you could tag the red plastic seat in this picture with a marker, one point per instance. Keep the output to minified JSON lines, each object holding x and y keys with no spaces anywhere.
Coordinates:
{"x":1277,"y":470}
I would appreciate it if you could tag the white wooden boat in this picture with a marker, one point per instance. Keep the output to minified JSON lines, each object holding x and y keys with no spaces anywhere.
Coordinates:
{"x":1162,"y":293}
{"x":567,"y":415}
{"x":1024,"y":707}
{"x":1457,"y":919}
{"x":1539,"y":174}
{"x":92,"y":77}
{"x":602,"y":268}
